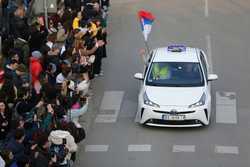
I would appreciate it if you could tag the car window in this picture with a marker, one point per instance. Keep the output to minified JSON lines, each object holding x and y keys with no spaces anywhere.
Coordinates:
{"x":175,"y":74}
{"x":204,"y":64}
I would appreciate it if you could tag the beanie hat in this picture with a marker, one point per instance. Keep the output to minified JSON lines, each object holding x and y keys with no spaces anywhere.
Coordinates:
{"x":36,"y":54}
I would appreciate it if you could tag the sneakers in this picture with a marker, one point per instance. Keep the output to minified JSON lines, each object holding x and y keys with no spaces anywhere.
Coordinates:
{"x":100,"y":74}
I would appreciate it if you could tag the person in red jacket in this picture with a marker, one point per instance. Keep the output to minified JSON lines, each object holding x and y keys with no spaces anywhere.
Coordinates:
{"x":35,"y":70}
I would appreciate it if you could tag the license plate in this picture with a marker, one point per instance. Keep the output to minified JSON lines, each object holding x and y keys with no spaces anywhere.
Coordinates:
{"x":173,"y":117}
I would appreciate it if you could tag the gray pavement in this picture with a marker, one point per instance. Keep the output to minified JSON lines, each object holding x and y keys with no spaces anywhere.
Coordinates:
{"x":221,"y":29}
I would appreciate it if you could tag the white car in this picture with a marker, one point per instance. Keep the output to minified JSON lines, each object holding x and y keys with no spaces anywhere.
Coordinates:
{"x":175,"y":90}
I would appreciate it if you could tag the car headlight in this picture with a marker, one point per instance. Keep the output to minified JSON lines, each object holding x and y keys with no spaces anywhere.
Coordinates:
{"x":201,"y":102}
{"x":148,"y":102}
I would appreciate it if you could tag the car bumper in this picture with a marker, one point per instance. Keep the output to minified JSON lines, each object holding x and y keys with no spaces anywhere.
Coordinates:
{"x":193,"y":118}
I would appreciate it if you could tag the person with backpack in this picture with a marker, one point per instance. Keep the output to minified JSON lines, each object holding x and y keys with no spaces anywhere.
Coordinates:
{"x":76,"y":130}
{"x":62,"y":145}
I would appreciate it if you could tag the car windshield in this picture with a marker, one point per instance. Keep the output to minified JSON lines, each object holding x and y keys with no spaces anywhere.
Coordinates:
{"x":175,"y":74}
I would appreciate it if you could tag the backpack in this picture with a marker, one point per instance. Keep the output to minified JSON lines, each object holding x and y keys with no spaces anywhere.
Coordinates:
{"x":80,"y":135}
{"x":77,"y":132}
{"x":60,"y":151}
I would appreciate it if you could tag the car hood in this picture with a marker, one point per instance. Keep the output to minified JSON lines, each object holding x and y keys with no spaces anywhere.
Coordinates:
{"x":174,"y":96}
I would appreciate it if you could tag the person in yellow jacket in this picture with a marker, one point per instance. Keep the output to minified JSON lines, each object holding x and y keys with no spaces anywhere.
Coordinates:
{"x":76,"y":21}
{"x":160,"y":72}
{"x":92,"y":28}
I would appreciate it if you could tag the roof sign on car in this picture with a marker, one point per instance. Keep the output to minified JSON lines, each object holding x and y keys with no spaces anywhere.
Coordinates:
{"x":176,"y":48}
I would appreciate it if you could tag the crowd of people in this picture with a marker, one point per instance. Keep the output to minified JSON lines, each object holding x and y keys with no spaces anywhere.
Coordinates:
{"x":45,"y":76}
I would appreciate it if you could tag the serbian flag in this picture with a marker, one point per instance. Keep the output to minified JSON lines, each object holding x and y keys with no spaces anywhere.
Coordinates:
{"x":146,"y":19}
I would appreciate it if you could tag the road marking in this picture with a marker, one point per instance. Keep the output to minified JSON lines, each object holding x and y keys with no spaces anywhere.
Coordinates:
{"x":226,"y":107}
{"x":227,"y":150}
{"x":108,"y":118}
{"x":96,"y":148}
{"x":111,"y":100}
{"x":183,"y":148}
{"x":209,"y":53}
{"x":134,"y":148}
{"x":206,"y":8}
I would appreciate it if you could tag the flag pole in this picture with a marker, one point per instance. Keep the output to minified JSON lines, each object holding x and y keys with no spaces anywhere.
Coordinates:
{"x":146,"y":19}
{"x":147,"y":46}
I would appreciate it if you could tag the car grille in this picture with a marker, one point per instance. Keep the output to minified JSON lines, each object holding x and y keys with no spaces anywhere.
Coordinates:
{"x":169,"y":112}
{"x":168,"y":122}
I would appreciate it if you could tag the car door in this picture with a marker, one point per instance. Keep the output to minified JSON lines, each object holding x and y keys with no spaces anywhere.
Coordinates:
{"x":205,"y":66}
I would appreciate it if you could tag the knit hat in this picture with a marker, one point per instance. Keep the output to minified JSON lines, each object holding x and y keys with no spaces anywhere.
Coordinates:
{"x":36,"y":54}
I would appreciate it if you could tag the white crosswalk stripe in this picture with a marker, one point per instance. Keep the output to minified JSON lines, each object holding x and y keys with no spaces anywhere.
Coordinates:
{"x":96,"y":148}
{"x":134,"y":148}
{"x":227,"y":149}
{"x":226,"y":107}
{"x":183,"y":148}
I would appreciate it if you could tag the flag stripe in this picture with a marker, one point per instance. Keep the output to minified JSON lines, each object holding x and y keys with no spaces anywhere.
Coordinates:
{"x":146,"y":21}
{"x":146,"y":15}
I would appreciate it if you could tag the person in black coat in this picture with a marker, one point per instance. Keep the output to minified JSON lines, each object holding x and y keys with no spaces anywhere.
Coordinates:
{"x":38,"y":36}
{"x":10,"y":70}
{"x":19,"y":26}
{"x":5,"y":121}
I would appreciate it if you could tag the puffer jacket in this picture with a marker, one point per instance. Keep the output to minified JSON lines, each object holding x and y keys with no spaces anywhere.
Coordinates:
{"x":35,"y":69}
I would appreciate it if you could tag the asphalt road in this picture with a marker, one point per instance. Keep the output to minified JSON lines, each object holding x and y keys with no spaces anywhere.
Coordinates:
{"x":221,"y":29}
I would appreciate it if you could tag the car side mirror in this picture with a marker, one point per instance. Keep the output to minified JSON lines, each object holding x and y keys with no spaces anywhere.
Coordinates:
{"x":138,"y":76}
{"x":212,"y":77}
